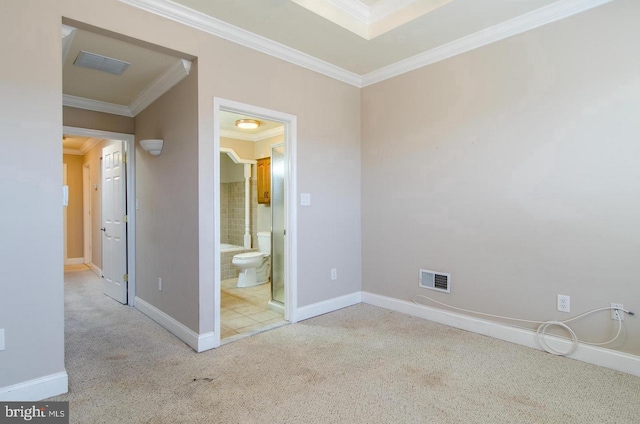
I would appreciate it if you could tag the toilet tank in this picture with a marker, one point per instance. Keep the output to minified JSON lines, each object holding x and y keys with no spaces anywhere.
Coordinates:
{"x":264,"y":241}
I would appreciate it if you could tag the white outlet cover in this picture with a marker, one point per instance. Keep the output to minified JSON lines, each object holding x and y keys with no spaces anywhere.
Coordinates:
{"x":564,"y":303}
{"x":613,"y":311}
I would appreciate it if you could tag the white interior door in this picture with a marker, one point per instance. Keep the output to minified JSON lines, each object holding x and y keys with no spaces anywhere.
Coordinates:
{"x":114,"y":230}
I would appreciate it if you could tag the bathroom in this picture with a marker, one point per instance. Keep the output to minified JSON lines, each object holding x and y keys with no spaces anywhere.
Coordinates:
{"x":250,"y":302}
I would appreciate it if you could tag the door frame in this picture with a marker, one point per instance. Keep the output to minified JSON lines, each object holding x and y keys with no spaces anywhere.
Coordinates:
{"x":86,"y":212}
{"x":291,"y":249}
{"x":129,"y":148}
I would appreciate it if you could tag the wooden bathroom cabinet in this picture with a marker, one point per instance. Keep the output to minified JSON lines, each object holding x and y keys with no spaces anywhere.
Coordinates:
{"x":264,"y":180}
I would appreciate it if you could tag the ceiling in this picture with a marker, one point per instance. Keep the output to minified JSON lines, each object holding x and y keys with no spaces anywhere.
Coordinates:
{"x":294,"y":26}
{"x":267,"y":129}
{"x":359,"y":42}
{"x":151,"y":73}
{"x":321,"y":34}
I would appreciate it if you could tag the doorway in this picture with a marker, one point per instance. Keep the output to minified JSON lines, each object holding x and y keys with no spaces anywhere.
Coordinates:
{"x":92,"y":194}
{"x":285,"y":241}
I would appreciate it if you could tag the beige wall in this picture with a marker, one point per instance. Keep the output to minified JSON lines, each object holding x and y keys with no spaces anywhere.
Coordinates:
{"x":515,"y":168}
{"x":230,"y":172}
{"x":262,"y":148}
{"x":75,"y":222}
{"x":81,"y":118}
{"x":243,"y":148}
{"x":167,"y":190}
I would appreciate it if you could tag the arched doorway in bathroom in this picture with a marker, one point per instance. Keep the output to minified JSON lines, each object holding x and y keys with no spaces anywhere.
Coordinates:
{"x":247,"y":213}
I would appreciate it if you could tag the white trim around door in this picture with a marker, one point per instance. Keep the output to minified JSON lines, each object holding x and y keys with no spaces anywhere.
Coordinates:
{"x":291,"y":248}
{"x":86,"y":212}
{"x":129,"y":143}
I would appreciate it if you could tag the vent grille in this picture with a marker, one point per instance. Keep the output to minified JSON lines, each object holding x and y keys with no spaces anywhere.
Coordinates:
{"x":101,"y":63}
{"x":435,"y":280}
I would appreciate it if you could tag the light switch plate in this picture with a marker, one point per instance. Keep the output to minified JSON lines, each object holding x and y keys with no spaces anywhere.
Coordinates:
{"x":305,"y":199}
{"x":1,"y":338}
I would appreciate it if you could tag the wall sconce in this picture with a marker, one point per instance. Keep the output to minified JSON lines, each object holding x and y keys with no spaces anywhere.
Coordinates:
{"x":152,"y":145}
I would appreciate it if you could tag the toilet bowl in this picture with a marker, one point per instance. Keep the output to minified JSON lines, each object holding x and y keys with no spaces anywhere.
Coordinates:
{"x":255,"y":266}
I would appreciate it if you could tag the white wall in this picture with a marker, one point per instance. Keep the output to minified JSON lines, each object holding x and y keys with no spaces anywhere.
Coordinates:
{"x":513,"y":167}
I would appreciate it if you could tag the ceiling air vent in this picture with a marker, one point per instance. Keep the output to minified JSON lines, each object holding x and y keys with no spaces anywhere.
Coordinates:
{"x":100,"y":63}
{"x":435,"y":280}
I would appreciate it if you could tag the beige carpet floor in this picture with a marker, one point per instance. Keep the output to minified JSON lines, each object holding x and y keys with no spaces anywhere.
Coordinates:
{"x":361,"y":364}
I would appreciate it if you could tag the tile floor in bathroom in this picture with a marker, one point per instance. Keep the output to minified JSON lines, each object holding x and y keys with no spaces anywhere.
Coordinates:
{"x":244,"y":311}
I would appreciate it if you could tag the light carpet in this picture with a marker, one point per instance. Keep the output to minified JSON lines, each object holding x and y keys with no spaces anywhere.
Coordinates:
{"x":361,"y":364}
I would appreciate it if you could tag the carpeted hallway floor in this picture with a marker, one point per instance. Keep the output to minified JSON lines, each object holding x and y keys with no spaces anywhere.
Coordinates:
{"x":358,"y":365}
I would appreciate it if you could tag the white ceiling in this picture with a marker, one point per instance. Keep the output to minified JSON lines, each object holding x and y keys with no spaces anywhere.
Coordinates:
{"x":285,"y":29}
{"x":150,"y":74}
{"x":372,"y":18}
{"x":267,"y":129}
{"x":119,"y":94}
{"x":146,"y":65}
{"x":338,"y":38}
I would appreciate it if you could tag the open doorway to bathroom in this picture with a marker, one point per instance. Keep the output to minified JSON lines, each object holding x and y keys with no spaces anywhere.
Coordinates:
{"x":254,"y":181}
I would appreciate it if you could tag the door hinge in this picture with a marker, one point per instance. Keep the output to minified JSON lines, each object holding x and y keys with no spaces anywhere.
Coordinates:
{"x":125,"y":219}
{"x":124,"y":158}
{"x":125,"y":278}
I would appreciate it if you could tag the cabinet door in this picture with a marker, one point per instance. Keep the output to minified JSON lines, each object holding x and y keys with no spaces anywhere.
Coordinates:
{"x":264,"y":180}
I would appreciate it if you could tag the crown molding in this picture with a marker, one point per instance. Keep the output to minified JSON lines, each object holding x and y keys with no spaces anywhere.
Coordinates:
{"x":534,"y":19}
{"x":86,"y":146}
{"x":75,"y":152}
{"x":211,"y":25}
{"x":172,"y":76}
{"x":239,"y":135}
{"x":68,"y":32}
{"x":384,"y":8}
{"x":354,"y":8}
{"x":89,"y":144}
{"x":235,"y":158}
{"x":96,"y":105}
{"x":169,"y":78}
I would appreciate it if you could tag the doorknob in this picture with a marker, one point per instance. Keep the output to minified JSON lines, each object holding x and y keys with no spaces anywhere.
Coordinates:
{"x":103,"y":229}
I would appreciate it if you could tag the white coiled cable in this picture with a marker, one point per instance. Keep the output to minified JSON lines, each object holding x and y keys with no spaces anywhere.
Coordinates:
{"x":542,"y":328}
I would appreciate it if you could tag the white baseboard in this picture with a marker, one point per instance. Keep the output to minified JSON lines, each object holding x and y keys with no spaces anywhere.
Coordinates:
{"x":206,"y":341}
{"x":327,"y":306}
{"x":74,"y":261}
{"x":36,"y":389}
{"x":198,"y":342}
{"x":618,"y":361}
{"x":95,"y":269}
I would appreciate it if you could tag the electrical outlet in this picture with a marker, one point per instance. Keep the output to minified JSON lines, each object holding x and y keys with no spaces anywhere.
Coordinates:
{"x":617,"y":315}
{"x":159,"y":283}
{"x":334,"y":273}
{"x":564,"y":303}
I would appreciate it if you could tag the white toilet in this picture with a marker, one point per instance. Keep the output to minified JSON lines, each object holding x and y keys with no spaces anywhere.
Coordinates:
{"x":255,"y":266}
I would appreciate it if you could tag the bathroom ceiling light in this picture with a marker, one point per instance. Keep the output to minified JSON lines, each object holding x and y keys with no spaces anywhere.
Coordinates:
{"x":247,"y":124}
{"x":153,"y":146}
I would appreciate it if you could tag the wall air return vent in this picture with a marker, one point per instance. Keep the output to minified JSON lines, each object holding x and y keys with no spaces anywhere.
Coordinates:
{"x":100,"y":63}
{"x":435,"y":280}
